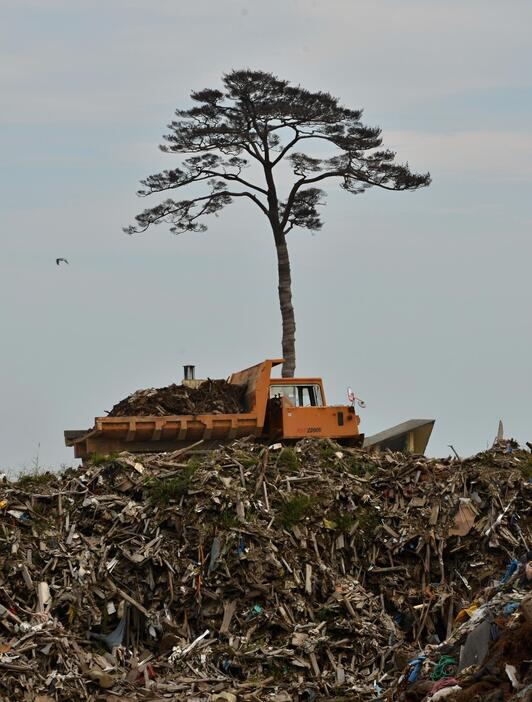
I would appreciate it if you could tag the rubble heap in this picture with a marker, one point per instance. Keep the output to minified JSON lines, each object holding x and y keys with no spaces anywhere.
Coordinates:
{"x":211,"y":397}
{"x":247,"y":573}
{"x":487,"y":656}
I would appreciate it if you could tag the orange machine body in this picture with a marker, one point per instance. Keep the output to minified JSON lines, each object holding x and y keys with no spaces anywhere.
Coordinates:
{"x":276,"y":409}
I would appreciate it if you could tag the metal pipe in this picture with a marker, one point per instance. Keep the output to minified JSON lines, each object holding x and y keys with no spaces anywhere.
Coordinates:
{"x":189,"y":372}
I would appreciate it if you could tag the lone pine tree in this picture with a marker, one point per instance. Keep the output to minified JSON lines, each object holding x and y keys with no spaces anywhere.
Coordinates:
{"x":258,"y":118}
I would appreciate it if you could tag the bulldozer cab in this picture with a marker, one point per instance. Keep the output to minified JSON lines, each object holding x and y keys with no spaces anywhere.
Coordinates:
{"x":297,"y":408}
{"x":298,"y":394}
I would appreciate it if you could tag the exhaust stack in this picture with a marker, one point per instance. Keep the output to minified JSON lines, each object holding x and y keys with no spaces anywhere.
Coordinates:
{"x":189,"y":372}
{"x":189,"y":377}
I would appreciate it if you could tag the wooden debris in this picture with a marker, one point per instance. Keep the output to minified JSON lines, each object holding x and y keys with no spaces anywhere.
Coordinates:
{"x":247,"y":573}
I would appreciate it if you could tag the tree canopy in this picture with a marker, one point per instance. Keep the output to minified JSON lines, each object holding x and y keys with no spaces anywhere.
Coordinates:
{"x":259,"y":119}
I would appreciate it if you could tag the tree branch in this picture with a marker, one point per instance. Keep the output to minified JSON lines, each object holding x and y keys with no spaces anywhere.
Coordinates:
{"x":288,"y":146}
{"x":173,"y":186}
{"x":297,"y":185}
{"x":251,"y":197}
{"x":183,"y":209}
{"x":234,"y":177}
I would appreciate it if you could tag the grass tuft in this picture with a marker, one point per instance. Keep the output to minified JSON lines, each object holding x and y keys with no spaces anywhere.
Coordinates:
{"x":344,"y":521}
{"x":228,"y":519}
{"x":360,"y":467}
{"x":526,"y":467}
{"x":35,"y":478}
{"x":368,"y":519}
{"x":328,"y":452}
{"x":99,"y":459}
{"x":296,"y":509}
{"x":247,"y":461}
{"x":288,"y":459}
{"x":165,"y":490}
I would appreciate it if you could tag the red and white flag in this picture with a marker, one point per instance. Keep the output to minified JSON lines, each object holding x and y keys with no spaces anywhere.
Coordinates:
{"x":352,"y":398}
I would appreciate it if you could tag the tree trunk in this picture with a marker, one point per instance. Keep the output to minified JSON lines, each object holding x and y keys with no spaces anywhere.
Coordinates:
{"x":287,"y":310}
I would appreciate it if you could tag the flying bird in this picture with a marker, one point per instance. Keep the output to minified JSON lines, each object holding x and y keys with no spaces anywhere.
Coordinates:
{"x":59,"y":260}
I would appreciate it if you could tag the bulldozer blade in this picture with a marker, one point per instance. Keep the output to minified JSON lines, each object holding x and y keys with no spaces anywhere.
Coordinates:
{"x":409,"y":437}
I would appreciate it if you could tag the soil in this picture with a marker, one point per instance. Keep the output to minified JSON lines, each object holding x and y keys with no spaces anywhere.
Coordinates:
{"x":211,"y":397}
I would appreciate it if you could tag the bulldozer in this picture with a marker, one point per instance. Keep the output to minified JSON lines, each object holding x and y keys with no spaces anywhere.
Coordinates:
{"x":276,"y":410}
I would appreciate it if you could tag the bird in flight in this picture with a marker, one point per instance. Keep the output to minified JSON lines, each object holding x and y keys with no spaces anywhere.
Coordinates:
{"x":60,"y":260}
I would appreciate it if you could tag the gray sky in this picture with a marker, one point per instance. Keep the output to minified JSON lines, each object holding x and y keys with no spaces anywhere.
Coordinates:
{"x":419,"y":301}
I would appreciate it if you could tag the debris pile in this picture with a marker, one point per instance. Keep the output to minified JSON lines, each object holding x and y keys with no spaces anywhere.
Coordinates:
{"x":487,"y":657}
{"x":248,"y":573}
{"x":211,"y":397}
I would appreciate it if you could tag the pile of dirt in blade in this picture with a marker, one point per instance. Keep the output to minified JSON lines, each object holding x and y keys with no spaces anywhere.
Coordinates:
{"x":211,"y":397}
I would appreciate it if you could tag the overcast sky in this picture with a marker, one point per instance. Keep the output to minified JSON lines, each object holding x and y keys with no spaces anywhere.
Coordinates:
{"x":419,"y":301}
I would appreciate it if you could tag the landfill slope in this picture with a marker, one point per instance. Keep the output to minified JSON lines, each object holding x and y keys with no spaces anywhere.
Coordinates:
{"x":249,"y":573}
{"x":211,"y":397}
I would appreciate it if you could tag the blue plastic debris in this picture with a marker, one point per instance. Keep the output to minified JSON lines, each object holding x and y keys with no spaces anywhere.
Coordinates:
{"x":416,"y":663}
{"x":241,"y":548}
{"x":23,"y":517}
{"x":510,"y":608}
{"x":510,"y":570}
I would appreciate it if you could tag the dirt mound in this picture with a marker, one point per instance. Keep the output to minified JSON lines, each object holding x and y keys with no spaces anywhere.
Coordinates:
{"x":211,"y":397}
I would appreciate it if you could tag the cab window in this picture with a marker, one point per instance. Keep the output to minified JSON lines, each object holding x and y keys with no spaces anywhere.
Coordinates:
{"x":298,"y":395}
